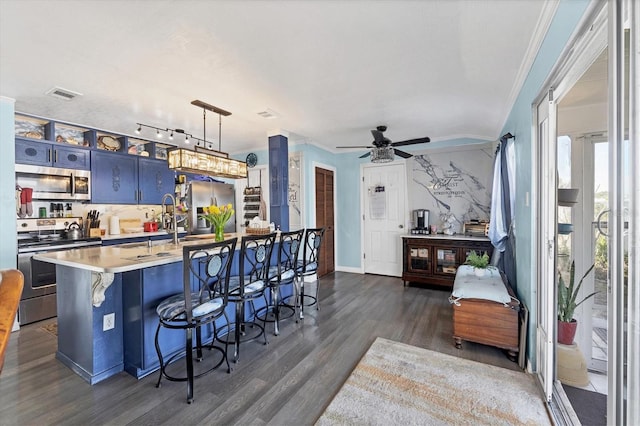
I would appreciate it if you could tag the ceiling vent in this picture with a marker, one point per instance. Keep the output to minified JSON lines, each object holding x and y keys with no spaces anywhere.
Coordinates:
{"x":60,"y":93}
{"x":268,"y":113}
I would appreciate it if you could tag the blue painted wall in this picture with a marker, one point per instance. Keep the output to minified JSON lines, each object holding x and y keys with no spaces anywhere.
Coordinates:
{"x":9,"y":246}
{"x":520,"y":123}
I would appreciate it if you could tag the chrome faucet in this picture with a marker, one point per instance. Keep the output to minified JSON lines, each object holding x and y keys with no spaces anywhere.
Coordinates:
{"x":174,"y":224}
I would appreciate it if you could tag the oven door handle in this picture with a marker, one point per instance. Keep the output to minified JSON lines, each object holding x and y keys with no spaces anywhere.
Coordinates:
{"x":42,"y":249}
{"x":73,"y":184}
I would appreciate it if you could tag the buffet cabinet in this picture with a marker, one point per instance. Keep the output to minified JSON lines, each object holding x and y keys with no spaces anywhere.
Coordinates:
{"x":435,"y":259}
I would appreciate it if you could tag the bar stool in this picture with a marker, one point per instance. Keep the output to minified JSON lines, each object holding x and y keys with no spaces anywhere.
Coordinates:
{"x":247,"y":286}
{"x":280,"y":275}
{"x":206,"y":271}
{"x":308,"y":267}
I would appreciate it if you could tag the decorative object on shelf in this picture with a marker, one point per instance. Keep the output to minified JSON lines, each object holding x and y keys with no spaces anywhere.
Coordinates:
{"x":108,"y":143}
{"x":479,"y":262}
{"x":217,"y":217}
{"x":567,"y":304}
{"x":447,"y":223}
{"x":252,"y":160}
{"x":206,"y":160}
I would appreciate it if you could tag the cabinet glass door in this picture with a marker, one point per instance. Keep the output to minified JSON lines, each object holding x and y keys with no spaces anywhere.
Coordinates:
{"x":420,"y":259}
{"x":447,"y":261}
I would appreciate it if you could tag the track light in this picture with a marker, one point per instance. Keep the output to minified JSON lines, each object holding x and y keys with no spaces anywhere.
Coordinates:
{"x":158,"y":134}
{"x":186,"y":138}
{"x":139,"y":129}
{"x":171,"y":136}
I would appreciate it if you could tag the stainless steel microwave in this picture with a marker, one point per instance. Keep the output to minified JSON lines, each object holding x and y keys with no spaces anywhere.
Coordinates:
{"x":53,"y":183}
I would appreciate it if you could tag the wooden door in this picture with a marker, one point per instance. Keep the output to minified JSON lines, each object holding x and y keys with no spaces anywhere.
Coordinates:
{"x":325,"y":219}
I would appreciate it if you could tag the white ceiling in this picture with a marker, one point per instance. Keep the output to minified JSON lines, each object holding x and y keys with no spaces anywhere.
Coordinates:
{"x":331,"y":70}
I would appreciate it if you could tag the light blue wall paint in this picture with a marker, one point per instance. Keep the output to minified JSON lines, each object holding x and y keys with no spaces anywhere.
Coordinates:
{"x":9,"y":246}
{"x":520,"y":123}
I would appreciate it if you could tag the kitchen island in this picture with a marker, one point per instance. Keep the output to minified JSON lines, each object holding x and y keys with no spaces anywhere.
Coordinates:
{"x":107,"y":298}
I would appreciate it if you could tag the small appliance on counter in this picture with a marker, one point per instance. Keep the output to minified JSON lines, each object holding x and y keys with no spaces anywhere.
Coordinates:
{"x":150,"y":226}
{"x":421,"y":221}
{"x":114,"y":225}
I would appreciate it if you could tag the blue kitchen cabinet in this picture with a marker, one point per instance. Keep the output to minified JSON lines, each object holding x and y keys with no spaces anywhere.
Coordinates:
{"x":154,"y":180}
{"x":50,"y":155}
{"x":114,"y":178}
{"x":127,"y":179}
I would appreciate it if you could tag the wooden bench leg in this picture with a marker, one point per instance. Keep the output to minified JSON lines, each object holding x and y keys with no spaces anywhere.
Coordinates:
{"x":458,"y":342}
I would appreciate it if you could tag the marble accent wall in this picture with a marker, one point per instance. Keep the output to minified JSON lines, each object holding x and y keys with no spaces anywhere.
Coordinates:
{"x":454,"y":185}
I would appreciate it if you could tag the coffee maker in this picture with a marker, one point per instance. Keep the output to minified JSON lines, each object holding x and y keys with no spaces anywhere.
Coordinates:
{"x":421,"y":221}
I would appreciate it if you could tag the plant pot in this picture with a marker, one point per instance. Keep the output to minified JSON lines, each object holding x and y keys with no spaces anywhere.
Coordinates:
{"x":479,"y":272}
{"x":567,"y":331}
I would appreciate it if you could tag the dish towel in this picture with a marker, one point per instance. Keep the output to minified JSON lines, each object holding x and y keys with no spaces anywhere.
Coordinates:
{"x":26,"y":206}
{"x":18,"y":201}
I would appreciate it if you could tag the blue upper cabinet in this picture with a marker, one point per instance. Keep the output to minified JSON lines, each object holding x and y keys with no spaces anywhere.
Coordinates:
{"x":114,"y":178}
{"x":46,"y":154}
{"x":154,"y":180}
{"x":128,"y":179}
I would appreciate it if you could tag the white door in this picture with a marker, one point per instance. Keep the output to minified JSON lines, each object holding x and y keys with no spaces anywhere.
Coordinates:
{"x":546,"y":277}
{"x":385,"y":216}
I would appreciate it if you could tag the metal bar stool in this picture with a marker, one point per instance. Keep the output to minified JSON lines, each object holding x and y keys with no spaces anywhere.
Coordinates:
{"x":308,"y":267}
{"x":206,"y":271}
{"x":249,"y":285}
{"x":280,"y":275}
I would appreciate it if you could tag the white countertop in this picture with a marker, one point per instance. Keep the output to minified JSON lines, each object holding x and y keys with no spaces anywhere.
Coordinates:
{"x":446,"y":237}
{"x":123,"y":257}
{"x":163,"y":232}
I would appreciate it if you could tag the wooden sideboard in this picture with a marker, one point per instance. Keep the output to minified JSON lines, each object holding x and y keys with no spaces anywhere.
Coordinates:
{"x":434,"y":259}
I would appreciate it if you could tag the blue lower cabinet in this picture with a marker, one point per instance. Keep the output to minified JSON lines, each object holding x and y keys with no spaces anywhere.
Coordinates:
{"x":143,"y":290}
{"x":83,"y":343}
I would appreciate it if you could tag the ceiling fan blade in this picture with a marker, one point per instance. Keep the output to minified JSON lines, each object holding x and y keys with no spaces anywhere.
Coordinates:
{"x":402,"y":153}
{"x":358,"y":146}
{"x":411,"y":142}
{"x":365,"y":155}
{"x":378,"y":137}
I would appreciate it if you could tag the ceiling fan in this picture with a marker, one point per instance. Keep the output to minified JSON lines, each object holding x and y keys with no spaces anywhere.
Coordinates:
{"x":383,"y":149}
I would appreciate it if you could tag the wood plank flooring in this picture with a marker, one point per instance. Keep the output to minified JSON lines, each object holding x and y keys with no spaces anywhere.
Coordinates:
{"x":289,"y":381}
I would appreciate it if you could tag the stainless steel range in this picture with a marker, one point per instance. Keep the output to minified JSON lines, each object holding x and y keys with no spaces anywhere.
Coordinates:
{"x":37,"y":236}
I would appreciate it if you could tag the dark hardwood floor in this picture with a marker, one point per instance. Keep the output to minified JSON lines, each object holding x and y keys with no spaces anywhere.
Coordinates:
{"x":289,"y":381}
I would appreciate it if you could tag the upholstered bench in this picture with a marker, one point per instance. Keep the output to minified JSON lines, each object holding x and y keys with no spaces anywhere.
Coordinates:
{"x":485,"y":310}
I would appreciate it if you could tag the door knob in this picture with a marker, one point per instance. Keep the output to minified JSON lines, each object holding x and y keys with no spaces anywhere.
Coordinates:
{"x":400,"y":226}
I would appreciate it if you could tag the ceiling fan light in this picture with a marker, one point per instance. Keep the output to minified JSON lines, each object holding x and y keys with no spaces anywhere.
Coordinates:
{"x":382,"y":154}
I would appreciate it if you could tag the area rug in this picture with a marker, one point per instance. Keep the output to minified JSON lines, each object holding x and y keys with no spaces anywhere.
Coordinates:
{"x":395,"y":383}
{"x":51,"y":328}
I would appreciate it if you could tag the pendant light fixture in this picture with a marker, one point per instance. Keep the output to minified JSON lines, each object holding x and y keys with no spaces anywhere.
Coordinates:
{"x":207,"y":161}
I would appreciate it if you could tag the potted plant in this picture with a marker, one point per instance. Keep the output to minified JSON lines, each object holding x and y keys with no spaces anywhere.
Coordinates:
{"x":567,"y":304}
{"x":478,"y":261}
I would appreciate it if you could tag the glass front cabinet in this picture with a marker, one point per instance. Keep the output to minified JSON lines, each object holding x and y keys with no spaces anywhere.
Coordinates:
{"x":435,"y":260}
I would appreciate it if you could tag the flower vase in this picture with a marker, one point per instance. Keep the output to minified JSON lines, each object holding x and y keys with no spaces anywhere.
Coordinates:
{"x":219,"y":231}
